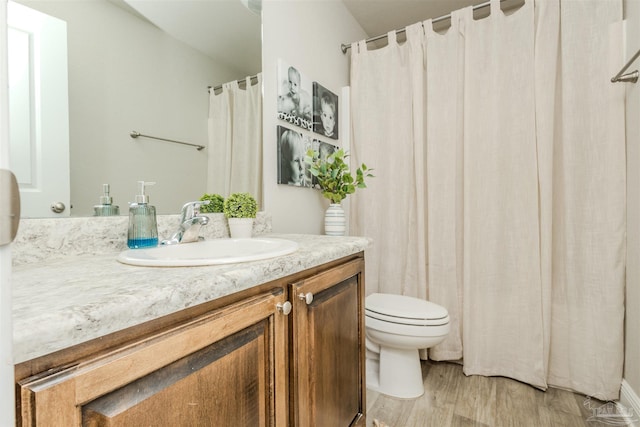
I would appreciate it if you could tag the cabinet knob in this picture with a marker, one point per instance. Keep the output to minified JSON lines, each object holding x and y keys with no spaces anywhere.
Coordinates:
{"x":284,"y":308}
{"x":308,"y":297}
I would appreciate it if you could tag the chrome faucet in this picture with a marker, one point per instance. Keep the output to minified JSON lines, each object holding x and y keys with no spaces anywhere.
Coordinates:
{"x":190,"y":223}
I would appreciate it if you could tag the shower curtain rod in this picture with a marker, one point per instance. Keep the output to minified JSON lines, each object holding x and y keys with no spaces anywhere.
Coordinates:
{"x":346,"y":47}
{"x":631,"y":77}
{"x":215,"y":88}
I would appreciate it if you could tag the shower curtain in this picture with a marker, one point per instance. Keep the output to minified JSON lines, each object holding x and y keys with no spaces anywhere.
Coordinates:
{"x":500,"y":186}
{"x":235,"y":140}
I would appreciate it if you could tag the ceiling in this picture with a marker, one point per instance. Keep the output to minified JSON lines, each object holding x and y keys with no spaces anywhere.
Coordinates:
{"x":218,"y":27}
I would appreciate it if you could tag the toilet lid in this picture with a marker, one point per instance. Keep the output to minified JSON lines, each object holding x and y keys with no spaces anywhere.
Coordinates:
{"x":403,"y":307}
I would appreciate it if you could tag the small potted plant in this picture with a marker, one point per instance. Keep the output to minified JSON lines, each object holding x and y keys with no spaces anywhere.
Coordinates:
{"x":240,"y":210}
{"x":216,"y":203}
{"x":336,"y":182}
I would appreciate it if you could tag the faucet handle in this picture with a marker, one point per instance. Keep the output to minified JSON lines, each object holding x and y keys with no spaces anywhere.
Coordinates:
{"x":191,"y":209}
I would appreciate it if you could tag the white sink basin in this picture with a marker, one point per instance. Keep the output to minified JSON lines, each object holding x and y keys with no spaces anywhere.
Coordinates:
{"x":209,"y":252}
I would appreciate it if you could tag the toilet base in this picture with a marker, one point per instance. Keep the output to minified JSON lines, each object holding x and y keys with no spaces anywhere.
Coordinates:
{"x":402,"y":380}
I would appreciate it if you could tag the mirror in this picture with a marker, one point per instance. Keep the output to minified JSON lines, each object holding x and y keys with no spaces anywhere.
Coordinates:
{"x":146,"y":66}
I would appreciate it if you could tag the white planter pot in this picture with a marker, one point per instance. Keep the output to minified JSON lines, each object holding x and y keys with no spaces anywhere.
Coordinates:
{"x":240,"y":228}
{"x":335,"y":223}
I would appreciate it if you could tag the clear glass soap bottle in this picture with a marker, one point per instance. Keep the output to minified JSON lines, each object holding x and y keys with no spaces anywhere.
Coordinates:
{"x":143,"y":228}
{"x":106,"y":206}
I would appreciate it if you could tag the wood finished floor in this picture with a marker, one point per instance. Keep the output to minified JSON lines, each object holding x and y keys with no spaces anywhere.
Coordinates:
{"x":453,"y":399}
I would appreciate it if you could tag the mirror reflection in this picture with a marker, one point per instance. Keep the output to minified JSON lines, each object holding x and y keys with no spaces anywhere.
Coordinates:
{"x":139,"y":66}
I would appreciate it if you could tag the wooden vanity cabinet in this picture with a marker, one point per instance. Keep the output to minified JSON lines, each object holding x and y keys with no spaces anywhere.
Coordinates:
{"x":327,"y":348}
{"x":220,"y":369}
{"x":239,"y":362}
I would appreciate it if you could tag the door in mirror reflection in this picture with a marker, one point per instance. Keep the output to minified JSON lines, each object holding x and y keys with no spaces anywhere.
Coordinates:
{"x":39,"y":113}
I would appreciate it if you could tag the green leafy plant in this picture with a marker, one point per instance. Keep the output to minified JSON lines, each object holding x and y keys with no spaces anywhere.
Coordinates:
{"x":240,"y":205}
{"x":333,"y":175}
{"x":216,"y":203}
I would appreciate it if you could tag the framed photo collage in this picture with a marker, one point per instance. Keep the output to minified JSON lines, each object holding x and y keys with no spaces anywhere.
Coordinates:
{"x":309,"y":115}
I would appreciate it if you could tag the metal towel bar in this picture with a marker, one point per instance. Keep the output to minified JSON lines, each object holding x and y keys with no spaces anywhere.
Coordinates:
{"x":631,"y":77}
{"x":135,"y":134}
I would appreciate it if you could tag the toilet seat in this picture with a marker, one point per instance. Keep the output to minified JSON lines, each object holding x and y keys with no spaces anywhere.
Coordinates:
{"x":405,"y":310}
{"x":404,"y":330}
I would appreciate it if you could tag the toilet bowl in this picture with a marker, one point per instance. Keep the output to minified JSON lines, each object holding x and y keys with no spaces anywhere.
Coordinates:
{"x":396,"y":327}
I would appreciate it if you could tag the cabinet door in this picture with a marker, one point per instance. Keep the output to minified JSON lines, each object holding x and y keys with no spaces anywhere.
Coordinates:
{"x":327,"y":367}
{"x":225,"y":368}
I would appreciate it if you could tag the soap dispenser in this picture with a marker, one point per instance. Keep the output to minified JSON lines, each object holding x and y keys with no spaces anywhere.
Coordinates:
{"x":106,"y":207}
{"x":143,"y":228}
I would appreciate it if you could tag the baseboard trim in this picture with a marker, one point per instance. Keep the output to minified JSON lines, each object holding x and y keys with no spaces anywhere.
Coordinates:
{"x":630,"y":400}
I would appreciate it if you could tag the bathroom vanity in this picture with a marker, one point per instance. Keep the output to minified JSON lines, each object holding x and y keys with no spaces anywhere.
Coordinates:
{"x":277,"y":342}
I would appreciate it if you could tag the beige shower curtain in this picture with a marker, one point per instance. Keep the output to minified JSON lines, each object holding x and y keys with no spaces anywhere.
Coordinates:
{"x":235,"y":139}
{"x":499,"y":154}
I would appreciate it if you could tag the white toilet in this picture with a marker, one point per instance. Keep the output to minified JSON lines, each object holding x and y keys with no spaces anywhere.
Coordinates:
{"x":397,"y":326}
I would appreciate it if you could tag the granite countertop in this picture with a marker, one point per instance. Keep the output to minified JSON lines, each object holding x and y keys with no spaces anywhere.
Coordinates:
{"x":64,"y":302}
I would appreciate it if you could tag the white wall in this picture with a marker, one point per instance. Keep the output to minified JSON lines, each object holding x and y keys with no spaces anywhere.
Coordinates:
{"x":307,"y":35}
{"x":632,"y":319}
{"x":125,"y":74}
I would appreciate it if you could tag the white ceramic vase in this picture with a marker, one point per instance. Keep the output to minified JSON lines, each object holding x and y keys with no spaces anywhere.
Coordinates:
{"x":240,"y":228}
{"x":335,"y":223}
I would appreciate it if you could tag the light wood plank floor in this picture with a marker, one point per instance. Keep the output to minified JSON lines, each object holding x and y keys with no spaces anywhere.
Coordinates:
{"x":453,"y":399}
